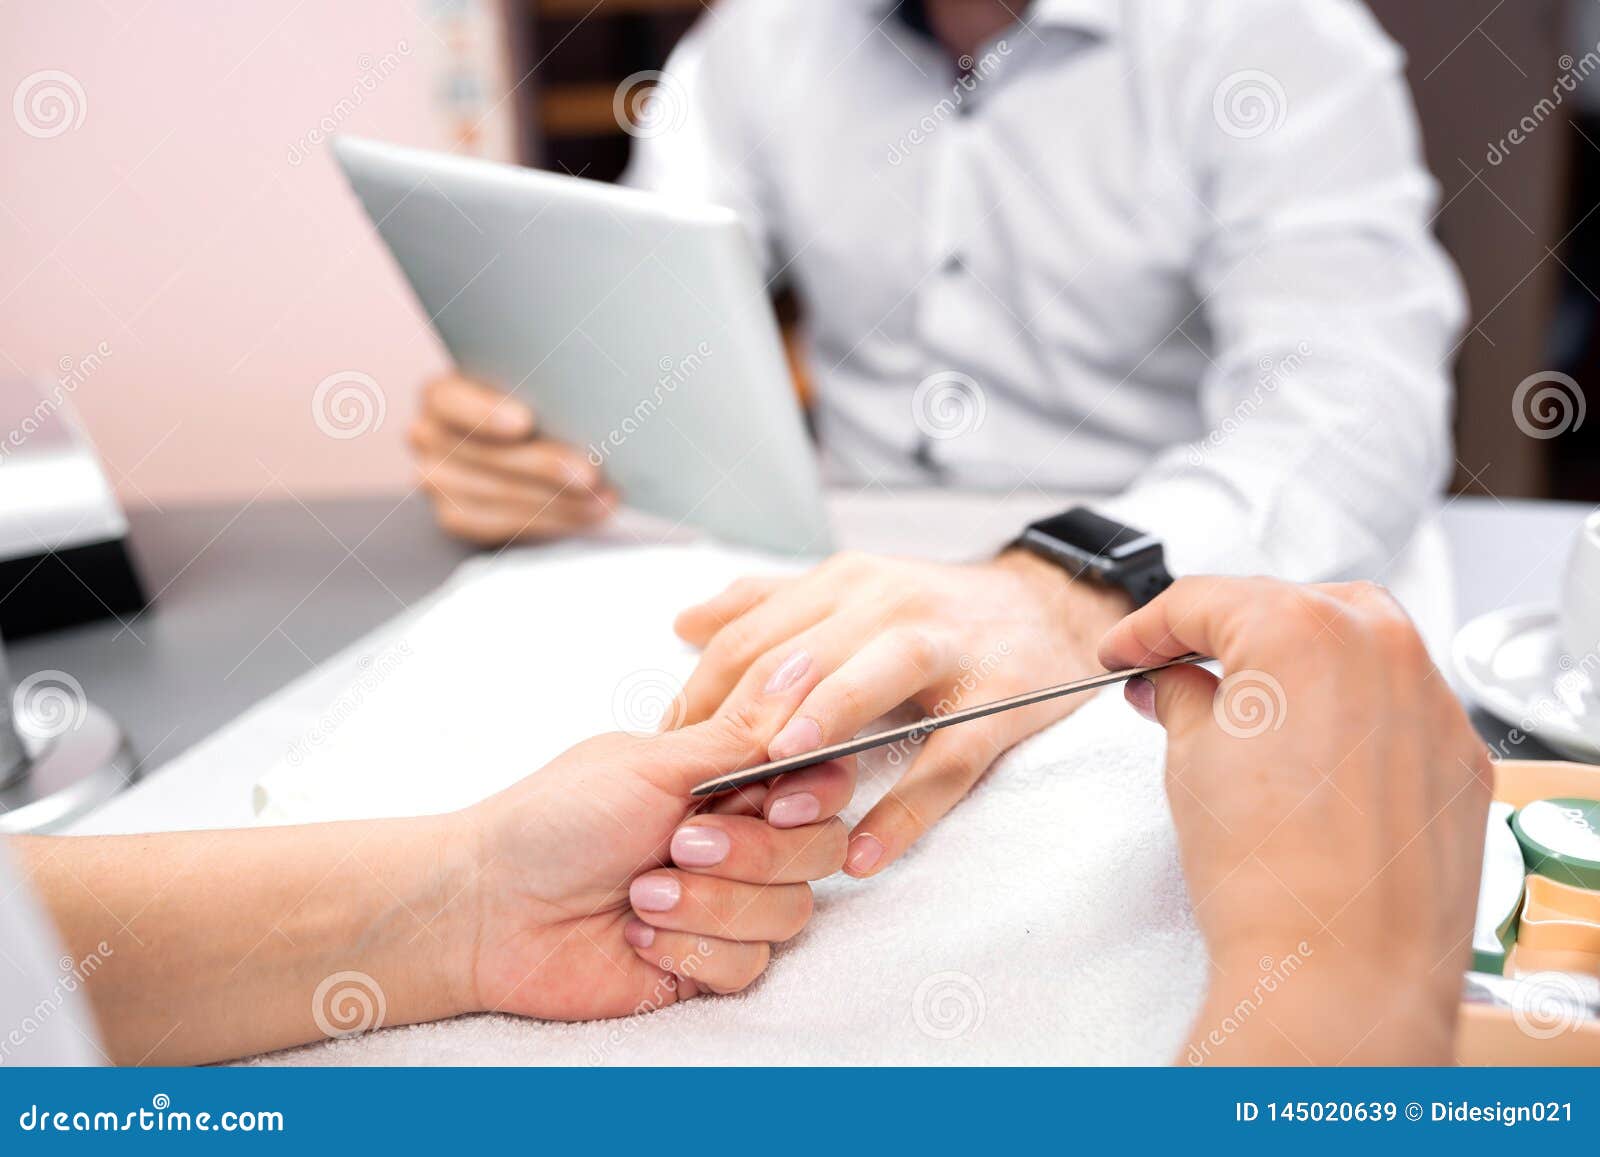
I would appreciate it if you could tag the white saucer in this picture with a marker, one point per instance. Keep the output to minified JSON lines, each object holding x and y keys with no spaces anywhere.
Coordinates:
{"x":1513,"y":664}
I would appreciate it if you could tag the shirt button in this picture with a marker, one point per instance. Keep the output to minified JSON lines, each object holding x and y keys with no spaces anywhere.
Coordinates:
{"x":953,"y":264}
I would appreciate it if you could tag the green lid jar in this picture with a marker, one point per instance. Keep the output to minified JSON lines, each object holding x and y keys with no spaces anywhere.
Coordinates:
{"x":1560,"y":839}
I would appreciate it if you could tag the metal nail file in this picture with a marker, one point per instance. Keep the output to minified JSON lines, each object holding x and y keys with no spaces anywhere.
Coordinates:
{"x":916,"y":732}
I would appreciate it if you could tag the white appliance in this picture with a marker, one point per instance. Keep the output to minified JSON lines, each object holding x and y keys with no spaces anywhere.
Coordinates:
{"x":64,"y":560}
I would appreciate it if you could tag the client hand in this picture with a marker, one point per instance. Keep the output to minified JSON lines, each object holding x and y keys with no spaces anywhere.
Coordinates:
{"x":493,"y":478}
{"x":812,"y":660}
{"x":569,"y":929}
{"x":1330,"y":801}
{"x":228,"y":943}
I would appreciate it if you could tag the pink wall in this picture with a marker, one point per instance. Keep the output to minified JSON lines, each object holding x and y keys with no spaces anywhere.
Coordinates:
{"x":188,"y":230}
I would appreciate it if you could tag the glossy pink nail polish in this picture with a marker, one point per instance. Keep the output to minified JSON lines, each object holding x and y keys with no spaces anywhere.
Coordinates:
{"x":699,"y":847}
{"x":788,"y":673}
{"x":638,"y":933}
{"x":792,"y":811}
{"x":801,"y":733}
{"x":654,"y":893}
{"x":865,"y":852}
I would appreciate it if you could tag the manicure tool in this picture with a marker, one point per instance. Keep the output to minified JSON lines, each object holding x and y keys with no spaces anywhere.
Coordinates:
{"x":916,"y":732}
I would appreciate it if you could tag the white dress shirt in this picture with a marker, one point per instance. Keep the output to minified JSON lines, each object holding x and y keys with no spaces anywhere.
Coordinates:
{"x":1174,"y":252}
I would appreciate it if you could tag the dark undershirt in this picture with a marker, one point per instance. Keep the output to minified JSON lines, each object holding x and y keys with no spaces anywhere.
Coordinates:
{"x":914,"y":15}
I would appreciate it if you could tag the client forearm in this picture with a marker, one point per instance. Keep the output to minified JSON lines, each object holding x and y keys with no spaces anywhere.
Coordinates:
{"x":216,"y":943}
{"x":220,"y":944}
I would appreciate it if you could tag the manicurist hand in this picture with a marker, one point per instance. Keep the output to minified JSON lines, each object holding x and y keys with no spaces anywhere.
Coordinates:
{"x":1330,"y":799}
{"x":493,"y":478}
{"x":813,"y":659}
{"x":587,"y":890}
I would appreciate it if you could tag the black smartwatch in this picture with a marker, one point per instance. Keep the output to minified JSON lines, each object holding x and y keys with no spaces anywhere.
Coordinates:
{"x":1089,"y":545}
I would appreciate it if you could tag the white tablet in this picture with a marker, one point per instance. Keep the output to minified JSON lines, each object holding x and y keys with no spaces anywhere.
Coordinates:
{"x":637,"y":327}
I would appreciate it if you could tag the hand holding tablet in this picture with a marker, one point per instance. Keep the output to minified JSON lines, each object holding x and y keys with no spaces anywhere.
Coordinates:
{"x":636,"y":329}
{"x":495,"y":478}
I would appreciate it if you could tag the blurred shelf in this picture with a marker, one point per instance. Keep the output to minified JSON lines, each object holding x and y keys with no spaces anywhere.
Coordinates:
{"x":578,"y":110}
{"x":575,"y":54}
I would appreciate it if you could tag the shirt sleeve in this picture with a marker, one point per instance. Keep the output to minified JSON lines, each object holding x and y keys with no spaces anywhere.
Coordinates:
{"x":698,"y":141}
{"x":1334,"y":313}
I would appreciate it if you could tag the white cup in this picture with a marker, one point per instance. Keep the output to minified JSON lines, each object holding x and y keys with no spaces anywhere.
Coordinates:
{"x":1580,"y":596}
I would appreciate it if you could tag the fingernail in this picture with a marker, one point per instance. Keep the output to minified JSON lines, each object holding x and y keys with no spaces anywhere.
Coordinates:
{"x":801,"y":733}
{"x":1141,"y":696}
{"x":694,"y":847}
{"x":793,"y":810}
{"x":654,"y":893}
{"x":672,"y":715}
{"x":788,"y":673}
{"x":579,"y":475}
{"x":510,"y":418}
{"x":865,"y":852}
{"x":638,"y":933}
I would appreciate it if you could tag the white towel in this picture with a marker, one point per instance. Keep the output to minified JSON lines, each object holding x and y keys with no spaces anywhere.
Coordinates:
{"x":1043,"y":921}
{"x":518,"y":659}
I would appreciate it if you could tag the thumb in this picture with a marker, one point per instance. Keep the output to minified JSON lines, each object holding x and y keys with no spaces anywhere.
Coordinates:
{"x":1183,"y":698}
{"x":691,"y":755}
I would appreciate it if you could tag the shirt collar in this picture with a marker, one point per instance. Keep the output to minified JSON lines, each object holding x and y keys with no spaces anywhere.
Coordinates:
{"x":1101,"y":17}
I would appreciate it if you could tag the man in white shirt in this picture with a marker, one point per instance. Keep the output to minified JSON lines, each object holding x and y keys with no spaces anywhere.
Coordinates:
{"x":1174,"y":253}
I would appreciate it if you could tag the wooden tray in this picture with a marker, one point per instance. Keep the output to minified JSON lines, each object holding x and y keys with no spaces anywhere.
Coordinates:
{"x":1492,"y":1036}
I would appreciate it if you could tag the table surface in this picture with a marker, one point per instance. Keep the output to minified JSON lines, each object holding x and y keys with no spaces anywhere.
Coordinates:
{"x":248,"y":597}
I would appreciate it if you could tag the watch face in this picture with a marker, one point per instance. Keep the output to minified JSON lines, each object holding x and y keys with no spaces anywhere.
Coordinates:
{"x":1095,"y":535}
